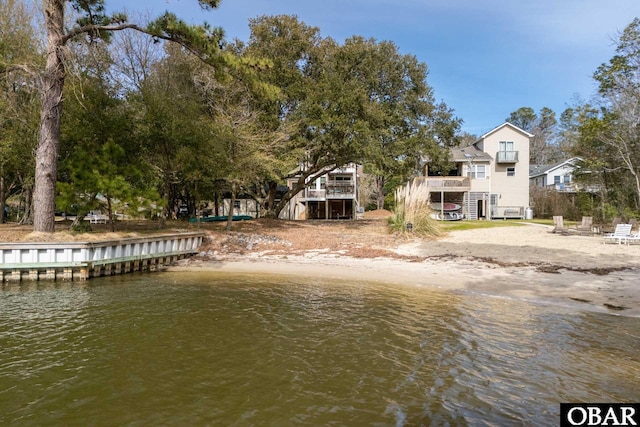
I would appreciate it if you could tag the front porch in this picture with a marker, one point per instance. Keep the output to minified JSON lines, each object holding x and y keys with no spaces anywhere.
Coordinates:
{"x":330,"y":209}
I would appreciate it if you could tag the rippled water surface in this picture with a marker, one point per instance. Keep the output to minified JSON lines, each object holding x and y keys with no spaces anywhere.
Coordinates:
{"x":193,"y":349}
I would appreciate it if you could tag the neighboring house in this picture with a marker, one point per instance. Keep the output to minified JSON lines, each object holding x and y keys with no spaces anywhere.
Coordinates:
{"x":242,"y":205}
{"x":333,"y":195}
{"x":490,"y":179}
{"x":558,"y":176}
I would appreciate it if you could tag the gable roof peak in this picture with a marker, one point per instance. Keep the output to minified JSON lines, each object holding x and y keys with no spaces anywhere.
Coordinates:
{"x":507,"y":124}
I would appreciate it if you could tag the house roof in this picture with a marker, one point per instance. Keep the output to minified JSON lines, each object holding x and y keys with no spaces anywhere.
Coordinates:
{"x":470,"y":153}
{"x":538,"y":170}
{"x":505,"y":124}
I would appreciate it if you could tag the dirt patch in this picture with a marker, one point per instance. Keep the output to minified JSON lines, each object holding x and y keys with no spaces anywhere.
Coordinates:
{"x":360,"y":239}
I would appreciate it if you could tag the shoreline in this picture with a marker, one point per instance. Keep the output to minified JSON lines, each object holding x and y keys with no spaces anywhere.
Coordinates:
{"x":516,"y":260}
{"x":612,"y":293}
{"x":526,"y":263}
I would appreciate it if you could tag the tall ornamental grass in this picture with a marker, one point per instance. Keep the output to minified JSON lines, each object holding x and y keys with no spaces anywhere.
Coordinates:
{"x":412,"y":207}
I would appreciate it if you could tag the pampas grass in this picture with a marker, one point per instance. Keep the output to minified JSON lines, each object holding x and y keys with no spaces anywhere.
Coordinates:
{"x":412,"y":207}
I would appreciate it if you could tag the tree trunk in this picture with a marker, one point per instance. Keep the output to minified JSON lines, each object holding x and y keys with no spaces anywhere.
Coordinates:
{"x":268,"y":203}
{"x":28,"y":203}
{"x":2,"y":199}
{"x":110,"y":215}
{"x":216,"y":203}
{"x":197,"y":197}
{"x":44,"y":195}
{"x":231,"y":203}
{"x":380,"y":181}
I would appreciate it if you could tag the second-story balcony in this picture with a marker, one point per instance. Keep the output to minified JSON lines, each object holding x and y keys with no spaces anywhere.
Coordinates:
{"x":314,"y":194}
{"x":340,"y":190}
{"x":446,"y":183}
{"x":507,"y":157}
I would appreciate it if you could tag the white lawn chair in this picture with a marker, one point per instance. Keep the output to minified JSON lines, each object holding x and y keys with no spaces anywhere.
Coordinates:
{"x":633,"y":239}
{"x":621,"y":234}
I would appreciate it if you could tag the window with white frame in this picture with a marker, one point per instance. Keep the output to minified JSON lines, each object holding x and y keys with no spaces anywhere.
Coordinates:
{"x":511,"y":171}
{"x":477,"y":171}
{"x":556,"y":179}
{"x":507,"y":151}
{"x":506,"y":146}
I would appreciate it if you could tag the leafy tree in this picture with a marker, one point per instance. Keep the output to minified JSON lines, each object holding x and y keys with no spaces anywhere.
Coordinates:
{"x":524,"y":117}
{"x":106,"y":180}
{"x":100,"y":163}
{"x":94,"y":24}
{"x":243,"y":148}
{"x":170,"y":124}
{"x":571,"y":120}
{"x":18,"y":103}
{"x":297,"y":52}
{"x":345,"y":103}
{"x":618,"y":132}
{"x":403,"y":124}
{"x":543,"y":149}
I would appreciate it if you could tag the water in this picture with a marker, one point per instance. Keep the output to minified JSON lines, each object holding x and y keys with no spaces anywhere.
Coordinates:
{"x":233,"y":350}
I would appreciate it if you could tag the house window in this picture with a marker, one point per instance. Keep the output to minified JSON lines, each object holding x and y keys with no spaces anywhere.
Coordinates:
{"x":506,"y":146}
{"x":507,"y":152}
{"x":323,"y":182}
{"x":567,"y":179}
{"x":236,"y":204}
{"x":477,"y":172}
{"x":511,"y":171}
{"x":556,"y":180}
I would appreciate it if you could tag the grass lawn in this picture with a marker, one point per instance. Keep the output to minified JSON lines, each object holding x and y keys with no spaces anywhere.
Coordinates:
{"x":469,"y":225}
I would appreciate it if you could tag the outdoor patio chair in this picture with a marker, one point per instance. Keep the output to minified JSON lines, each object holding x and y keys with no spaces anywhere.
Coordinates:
{"x":620,"y":235}
{"x":633,"y":239}
{"x":586,"y":227}
{"x":610,"y":228}
{"x":558,"y":225}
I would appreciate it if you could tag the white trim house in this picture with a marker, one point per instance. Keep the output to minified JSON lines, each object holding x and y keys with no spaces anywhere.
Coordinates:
{"x":333,"y":195}
{"x":490,"y":178}
{"x":558,"y":176}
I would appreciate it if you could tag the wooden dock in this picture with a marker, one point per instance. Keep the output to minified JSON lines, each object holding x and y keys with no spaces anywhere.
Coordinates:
{"x":83,"y":260}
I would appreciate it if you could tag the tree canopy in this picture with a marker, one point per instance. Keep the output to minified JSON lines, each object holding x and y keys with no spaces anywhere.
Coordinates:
{"x":167,"y":114}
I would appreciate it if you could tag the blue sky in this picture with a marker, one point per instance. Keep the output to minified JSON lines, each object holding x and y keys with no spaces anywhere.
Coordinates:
{"x":486,"y":58}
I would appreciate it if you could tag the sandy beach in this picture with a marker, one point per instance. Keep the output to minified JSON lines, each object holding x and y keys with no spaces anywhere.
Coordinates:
{"x":526,"y":262}
{"x":521,"y":260}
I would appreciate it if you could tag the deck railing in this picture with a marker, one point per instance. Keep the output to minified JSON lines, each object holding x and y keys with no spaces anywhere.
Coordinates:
{"x":315,"y":194}
{"x":507,"y":157}
{"x":446,"y":182}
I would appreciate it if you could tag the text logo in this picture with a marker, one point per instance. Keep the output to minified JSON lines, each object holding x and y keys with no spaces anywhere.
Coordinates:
{"x":599,"y":414}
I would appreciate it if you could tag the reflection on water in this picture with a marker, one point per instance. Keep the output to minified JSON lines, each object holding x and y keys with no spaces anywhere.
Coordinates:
{"x":189,"y":349}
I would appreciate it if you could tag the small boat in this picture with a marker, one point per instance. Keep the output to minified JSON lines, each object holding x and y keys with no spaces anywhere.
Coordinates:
{"x":445,"y":206}
{"x":447,"y":216}
{"x":221,"y":218}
